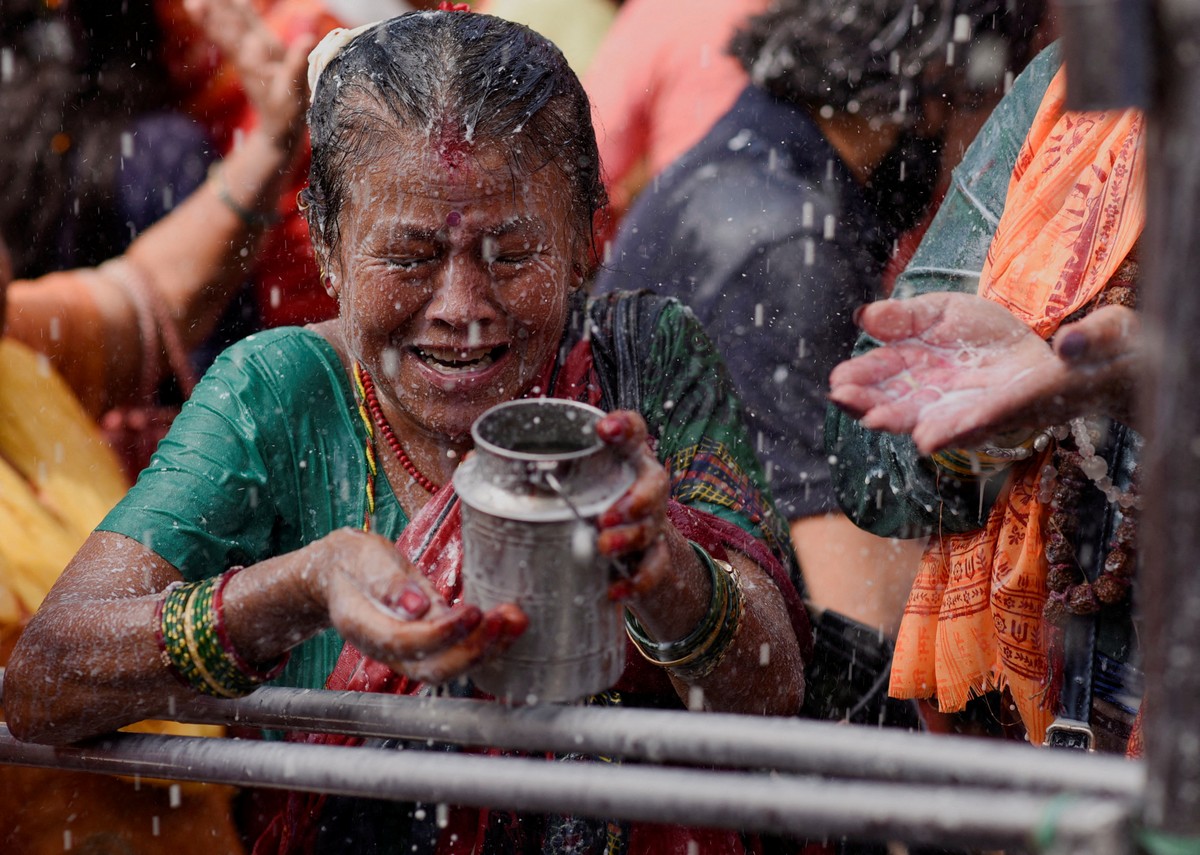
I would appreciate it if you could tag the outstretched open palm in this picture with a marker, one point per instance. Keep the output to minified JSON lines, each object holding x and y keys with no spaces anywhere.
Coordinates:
{"x":956,"y":369}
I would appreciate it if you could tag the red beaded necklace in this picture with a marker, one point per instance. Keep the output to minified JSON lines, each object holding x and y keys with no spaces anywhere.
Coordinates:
{"x":367,"y":387}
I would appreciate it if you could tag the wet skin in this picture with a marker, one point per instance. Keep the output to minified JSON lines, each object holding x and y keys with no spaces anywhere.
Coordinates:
{"x":453,"y":278}
{"x":955,"y":370}
{"x":453,"y":275}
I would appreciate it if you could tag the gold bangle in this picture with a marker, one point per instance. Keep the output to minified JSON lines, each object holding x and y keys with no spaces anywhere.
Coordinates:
{"x":698,"y":653}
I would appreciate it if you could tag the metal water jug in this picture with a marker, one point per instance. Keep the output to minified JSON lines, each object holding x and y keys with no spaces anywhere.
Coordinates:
{"x":530,"y":495}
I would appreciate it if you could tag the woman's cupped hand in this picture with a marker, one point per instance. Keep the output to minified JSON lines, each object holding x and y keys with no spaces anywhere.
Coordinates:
{"x":632,"y":530}
{"x":385,"y":607}
{"x":956,"y":370}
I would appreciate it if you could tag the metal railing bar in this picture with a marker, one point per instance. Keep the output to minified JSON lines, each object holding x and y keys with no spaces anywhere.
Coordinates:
{"x":713,"y":739}
{"x":765,"y":802}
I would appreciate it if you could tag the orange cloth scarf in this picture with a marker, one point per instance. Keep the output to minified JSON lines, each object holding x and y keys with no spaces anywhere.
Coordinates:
{"x":1074,"y":210}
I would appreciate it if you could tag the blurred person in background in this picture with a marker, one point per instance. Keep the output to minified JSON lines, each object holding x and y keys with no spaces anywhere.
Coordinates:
{"x":93,"y":329}
{"x":577,"y":28}
{"x":991,"y":406}
{"x":657,"y":82}
{"x":80,"y":341}
{"x":94,"y":148}
{"x":778,"y":225}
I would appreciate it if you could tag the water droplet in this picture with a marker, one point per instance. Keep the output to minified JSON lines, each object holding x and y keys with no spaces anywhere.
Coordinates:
{"x":741,"y":140}
{"x":962,"y":28}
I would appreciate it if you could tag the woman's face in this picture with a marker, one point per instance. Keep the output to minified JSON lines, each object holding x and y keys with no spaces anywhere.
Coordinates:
{"x":452,"y":275}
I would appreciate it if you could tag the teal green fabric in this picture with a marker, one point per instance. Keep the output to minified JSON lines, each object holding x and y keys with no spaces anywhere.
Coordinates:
{"x":266,"y":457}
{"x":880,"y":480}
{"x":268,"y":454}
{"x":1160,"y":843}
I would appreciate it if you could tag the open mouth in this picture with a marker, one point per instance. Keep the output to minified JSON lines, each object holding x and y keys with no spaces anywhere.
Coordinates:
{"x":460,"y":361}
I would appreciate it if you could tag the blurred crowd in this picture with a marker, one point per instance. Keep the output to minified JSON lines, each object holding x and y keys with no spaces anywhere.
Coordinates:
{"x":919,"y":269}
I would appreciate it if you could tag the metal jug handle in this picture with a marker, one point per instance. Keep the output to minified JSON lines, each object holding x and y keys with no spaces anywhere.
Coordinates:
{"x":619,"y":564}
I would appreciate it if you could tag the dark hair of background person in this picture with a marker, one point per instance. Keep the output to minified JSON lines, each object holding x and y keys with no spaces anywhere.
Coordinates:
{"x":468,"y":78}
{"x":874,"y":57}
{"x":71,"y":76}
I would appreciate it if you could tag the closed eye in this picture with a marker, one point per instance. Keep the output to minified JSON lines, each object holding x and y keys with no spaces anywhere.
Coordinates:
{"x":515,"y":259}
{"x":410,"y":264}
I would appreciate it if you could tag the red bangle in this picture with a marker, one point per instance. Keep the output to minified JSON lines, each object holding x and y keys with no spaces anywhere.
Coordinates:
{"x":253,"y":672}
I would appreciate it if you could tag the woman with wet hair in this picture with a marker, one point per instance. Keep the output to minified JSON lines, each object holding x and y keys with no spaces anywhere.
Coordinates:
{"x":453,"y":184}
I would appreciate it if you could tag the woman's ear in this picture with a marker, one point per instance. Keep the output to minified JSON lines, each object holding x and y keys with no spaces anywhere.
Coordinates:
{"x":325,"y":267}
{"x":331,"y":283}
{"x":582,"y":267}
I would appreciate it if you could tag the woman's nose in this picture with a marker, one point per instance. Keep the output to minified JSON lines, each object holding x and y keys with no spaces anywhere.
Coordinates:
{"x":464,"y":295}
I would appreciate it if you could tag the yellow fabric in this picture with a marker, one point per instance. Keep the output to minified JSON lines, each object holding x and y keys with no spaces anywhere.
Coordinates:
{"x":1074,"y":210}
{"x":57,"y":479}
{"x":577,"y":27}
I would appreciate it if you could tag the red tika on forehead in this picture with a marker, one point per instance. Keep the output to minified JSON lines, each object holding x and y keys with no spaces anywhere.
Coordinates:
{"x":451,"y":145}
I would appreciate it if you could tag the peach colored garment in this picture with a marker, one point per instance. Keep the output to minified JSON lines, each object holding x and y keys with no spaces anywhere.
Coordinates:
{"x":577,"y":28}
{"x":56,"y":315}
{"x":1074,"y":210}
{"x":659,"y":80}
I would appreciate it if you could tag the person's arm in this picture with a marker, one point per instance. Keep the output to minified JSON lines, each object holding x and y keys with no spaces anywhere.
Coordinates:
{"x":855,"y":573}
{"x":691,"y":408}
{"x":196,"y":258}
{"x":957,"y":370}
{"x":226,"y":492}
{"x":96,"y":638}
{"x":759,"y":670}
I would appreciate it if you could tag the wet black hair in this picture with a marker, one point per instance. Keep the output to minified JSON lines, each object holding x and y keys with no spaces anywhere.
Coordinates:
{"x":870,"y":56}
{"x":484,"y":79}
{"x":71,"y":75}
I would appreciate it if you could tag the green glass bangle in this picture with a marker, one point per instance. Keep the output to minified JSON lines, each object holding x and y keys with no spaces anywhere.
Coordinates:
{"x":724,"y":602}
{"x":710,"y":658}
{"x":194,"y":647}
{"x":1161,"y":843}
